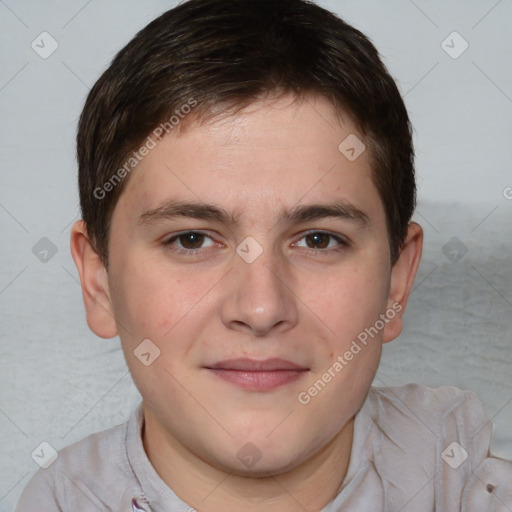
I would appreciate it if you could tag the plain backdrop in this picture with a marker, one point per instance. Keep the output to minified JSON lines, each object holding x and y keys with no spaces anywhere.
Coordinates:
{"x":59,"y":382}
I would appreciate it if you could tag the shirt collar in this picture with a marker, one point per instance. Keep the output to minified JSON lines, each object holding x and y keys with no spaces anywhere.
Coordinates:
{"x":154,"y":494}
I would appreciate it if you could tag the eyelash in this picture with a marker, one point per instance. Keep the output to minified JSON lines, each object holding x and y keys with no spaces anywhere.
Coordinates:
{"x":343,"y":243}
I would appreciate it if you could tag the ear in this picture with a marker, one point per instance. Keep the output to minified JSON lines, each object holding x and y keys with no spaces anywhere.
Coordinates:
{"x":94,"y":281}
{"x":403,"y":273}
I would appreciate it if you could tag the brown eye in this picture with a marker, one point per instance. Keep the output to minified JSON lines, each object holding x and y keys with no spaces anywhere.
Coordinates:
{"x":322,"y":242}
{"x":318,"y":240}
{"x":191,"y":240}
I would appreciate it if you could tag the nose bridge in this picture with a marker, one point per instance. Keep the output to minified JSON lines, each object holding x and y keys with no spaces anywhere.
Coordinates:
{"x":262,"y":277}
{"x":260,"y":298}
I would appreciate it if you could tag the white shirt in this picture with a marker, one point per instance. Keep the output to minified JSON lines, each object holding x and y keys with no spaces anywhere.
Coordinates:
{"x":415,"y":449}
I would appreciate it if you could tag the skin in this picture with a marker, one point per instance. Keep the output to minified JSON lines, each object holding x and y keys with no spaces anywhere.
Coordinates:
{"x":304,"y":299}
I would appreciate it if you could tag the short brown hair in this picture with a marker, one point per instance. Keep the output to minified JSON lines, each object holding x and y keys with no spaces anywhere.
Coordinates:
{"x":226,"y":54}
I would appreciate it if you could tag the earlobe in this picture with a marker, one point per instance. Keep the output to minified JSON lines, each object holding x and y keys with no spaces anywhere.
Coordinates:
{"x":94,"y":281}
{"x":403,"y":273}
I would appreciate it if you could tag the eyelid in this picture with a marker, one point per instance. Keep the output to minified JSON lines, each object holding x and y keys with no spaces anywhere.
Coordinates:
{"x":186,"y":232}
{"x":169,"y":240}
{"x":341,"y":239}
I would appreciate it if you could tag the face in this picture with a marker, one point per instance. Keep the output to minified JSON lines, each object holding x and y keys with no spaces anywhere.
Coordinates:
{"x":252,"y":253}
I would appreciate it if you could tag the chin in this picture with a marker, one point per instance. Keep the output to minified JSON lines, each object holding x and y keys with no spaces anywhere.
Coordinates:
{"x":266,"y":467}
{"x":260,"y":458}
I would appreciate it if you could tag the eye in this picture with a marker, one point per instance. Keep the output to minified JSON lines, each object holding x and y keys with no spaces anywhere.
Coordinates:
{"x":321,"y":240}
{"x":190,"y":241}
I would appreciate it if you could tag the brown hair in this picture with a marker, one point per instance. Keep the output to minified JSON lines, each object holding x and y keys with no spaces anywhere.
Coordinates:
{"x":213,"y":55}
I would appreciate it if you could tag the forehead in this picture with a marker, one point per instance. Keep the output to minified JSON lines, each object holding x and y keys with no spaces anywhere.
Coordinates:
{"x":271,"y":155}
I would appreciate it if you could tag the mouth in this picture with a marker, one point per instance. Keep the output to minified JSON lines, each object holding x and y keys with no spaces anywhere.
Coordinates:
{"x":255,"y":375}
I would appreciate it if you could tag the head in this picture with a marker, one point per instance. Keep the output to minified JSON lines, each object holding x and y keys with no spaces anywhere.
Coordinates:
{"x":247,"y":183}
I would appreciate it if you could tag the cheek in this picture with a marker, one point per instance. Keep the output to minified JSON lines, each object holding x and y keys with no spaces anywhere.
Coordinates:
{"x":155,"y":300}
{"x":350,"y":300}
{"x":144,"y":299}
{"x":152,"y":303}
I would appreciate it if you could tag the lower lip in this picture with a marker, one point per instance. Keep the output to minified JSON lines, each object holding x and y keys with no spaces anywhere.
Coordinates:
{"x":259,"y":381}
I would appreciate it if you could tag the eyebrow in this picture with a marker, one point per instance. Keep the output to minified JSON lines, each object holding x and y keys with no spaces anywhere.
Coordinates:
{"x":201,"y":211}
{"x":338,"y":210}
{"x":301,"y":213}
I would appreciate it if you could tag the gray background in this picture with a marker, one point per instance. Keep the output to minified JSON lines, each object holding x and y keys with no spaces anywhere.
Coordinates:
{"x":58,"y":382}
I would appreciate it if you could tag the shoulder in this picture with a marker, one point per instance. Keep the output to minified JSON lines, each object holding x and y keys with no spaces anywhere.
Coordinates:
{"x":433,"y":424}
{"x":445,"y":411}
{"x":441,"y":402}
{"x":82,"y":468}
{"x":438,"y":438}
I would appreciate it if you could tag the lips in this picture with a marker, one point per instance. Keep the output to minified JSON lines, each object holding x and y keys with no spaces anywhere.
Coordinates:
{"x":256,"y":375}
{"x":253,"y":365}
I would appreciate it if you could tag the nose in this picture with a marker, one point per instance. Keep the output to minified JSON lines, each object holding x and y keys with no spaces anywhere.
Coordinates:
{"x":259,"y":298}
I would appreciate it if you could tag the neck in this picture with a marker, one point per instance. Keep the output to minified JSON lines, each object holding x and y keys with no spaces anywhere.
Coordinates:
{"x":309,"y":486}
